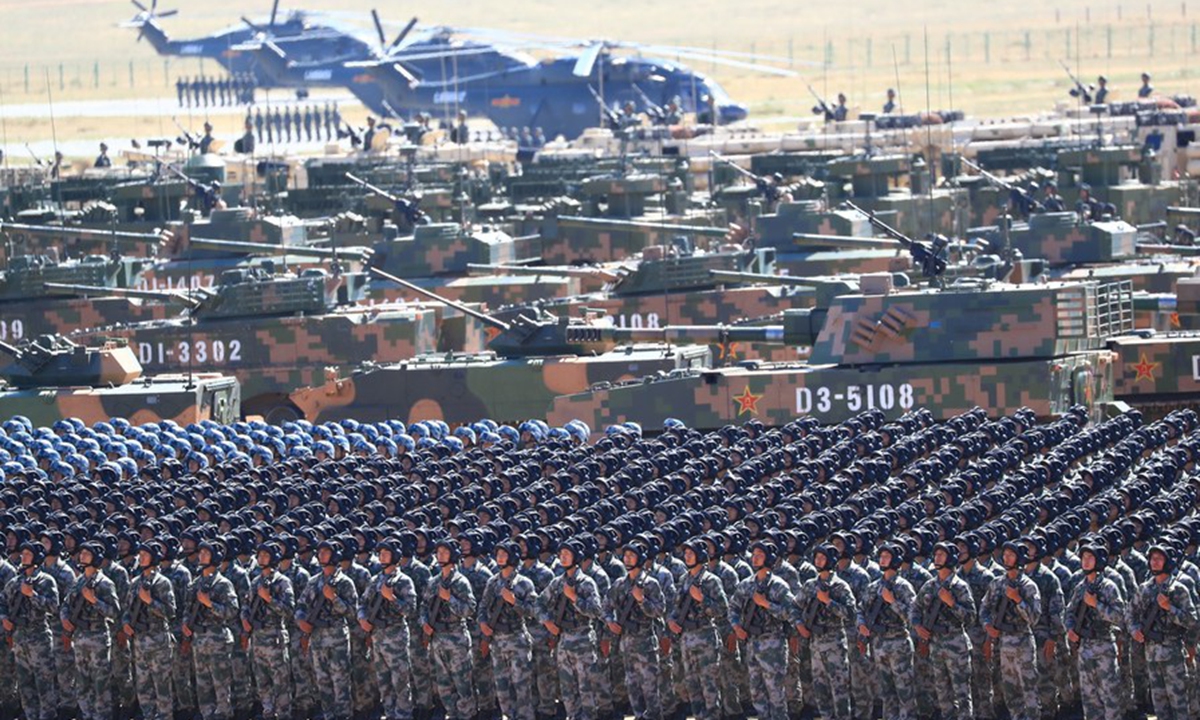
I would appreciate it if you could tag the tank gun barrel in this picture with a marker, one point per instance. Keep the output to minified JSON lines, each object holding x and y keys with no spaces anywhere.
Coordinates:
{"x":480,"y":316}
{"x":544,"y":270}
{"x":812,"y":283}
{"x":849,"y":242}
{"x":995,"y":180}
{"x":795,"y":329}
{"x":254,"y":248}
{"x":373,"y":188}
{"x":930,"y":258}
{"x":92,"y":234}
{"x":578,"y":221}
{"x":10,"y":350}
{"x":186,"y":299}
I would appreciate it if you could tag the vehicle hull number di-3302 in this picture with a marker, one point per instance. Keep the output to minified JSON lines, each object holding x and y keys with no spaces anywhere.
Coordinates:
{"x":202,"y":351}
{"x":854,"y":398}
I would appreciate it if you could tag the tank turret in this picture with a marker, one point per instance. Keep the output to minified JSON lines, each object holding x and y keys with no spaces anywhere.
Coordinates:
{"x":52,"y":360}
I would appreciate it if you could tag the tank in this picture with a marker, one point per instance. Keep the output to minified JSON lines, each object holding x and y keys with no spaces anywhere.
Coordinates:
{"x":50,"y":378}
{"x":973,"y":342}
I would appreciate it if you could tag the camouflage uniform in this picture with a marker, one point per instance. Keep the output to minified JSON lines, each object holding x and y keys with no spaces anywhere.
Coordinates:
{"x":64,"y":660}
{"x":91,"y":643}
{"x":891,"y":644}
{"x":212,"y":644}
{"x":766,"y":647}
{"x":125,"y":695}
{"x":979,"y":579}
{"x":639,"y":640}
{"x":182,"y":675}
{"x":31,"y":641}
{"x":862,"y":675}
{"x":10,"y":701}
{"x":422,"y":676}
{"x":600,"y":677}
{"x":668,"y":696}
{"x":1018,"y":662}
{"x":1096,"y":651}
{"x":1049,"y":628}
{"x":364,"y":693}
{"x":152,"y":645}
{"x":544,"y":671}
{"x":828,"y":643}
{"x":1163,"y":632}
{"x":304,"y":685}
{"x":510,"y":646}
{"x":242,"y":690}
{"x":948,"y":647}
{"x":329,"y":642}
{"x":478,"y":574}
{"x":269,"y":642}
{"x":450,"y":645}
{"x":390,"y":640}
{"x":700,"y":642}
{"x":575,"y":646}
{"x":731,"y":661}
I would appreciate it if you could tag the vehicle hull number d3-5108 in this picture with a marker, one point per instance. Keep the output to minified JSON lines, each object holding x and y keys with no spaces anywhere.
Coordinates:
{"x":854,"y":398}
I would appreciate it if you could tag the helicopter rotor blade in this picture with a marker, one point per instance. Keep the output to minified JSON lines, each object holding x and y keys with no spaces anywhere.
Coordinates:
{"x":153,"y":6}
{"x":379,"y":28}
{"x":166,"y":13}
{"x":403,"y":34}
{"x":251,"y":25}
{"x":274,"y":12}
{"x":756,"y":67}
{"x":140,"y":6}
{"x":587,"y":60}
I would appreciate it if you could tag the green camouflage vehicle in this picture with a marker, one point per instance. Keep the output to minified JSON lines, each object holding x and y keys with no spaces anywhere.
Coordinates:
{"x":949,"y":349}
{"x":51,"y":378}
{"x":275,"y":333}
{"x":532,"y":359}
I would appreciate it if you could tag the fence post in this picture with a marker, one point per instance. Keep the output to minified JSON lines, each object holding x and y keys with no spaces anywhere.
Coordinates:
{"x":987,"y":47}
{"x":96,"y":73}
{"x":62,"y":77}
{"x":26,"y":78}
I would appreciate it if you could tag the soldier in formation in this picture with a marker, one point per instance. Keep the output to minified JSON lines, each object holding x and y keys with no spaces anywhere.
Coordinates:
{"x":976,"y":568}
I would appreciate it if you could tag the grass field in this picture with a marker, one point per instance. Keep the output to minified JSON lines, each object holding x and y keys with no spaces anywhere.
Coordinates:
{"x":985,"y":58}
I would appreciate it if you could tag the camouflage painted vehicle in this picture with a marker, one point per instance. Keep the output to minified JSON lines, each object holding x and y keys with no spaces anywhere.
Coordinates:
{"x":532,"y":359}
{"x":50,"y":378}
{"x":1157,"y":369}
{"x":274,"y":333}
{"x":973,"y":343}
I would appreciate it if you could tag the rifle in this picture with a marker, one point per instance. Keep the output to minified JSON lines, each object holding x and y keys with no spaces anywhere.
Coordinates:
{"x":193,"y":614}
{"x":625,"y":611}
{"x":770,"y":191}
{"x":436,"y":607}
{"x":349,"y":132}
{"x":75,"y":612}
{"x":930,"y":257}
{"x":874,"y":614}
{"x":929,"y":619}
{"x":1027,"y":204}
{"x":813,"y":607}
{"x":1084,"y":617}
{"x":1079,"y":91}
{"x":1150,"y":628}
{"x":656,"y":112}
{"x":137,"y":608}
{"x":610,"y":116}
{"x":33,"y":155}
{"x":561,"y":606}
{"x":410,"y":209}
{"x":822,"y":107}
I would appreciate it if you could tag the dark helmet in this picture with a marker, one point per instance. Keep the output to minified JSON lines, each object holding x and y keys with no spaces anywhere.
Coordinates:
{"x":1099,"y":550}
{"x":334,"y":546}
{"x":898,"y":553}
{"x":155,"y":550}
{"x":699,"y":547}
{"x":97,"y":551}
{"x":1020,"y":549}
{"x":38,"y":551}
{"x":274,"y":552}
{"x":1168,"y":553}
{"x":451,"y":545}
{"x":951,"y":552}
{"x":830,"y":551}
{"x":216,"y":551}
{"x":770,"y":553}
{"x":640,"y":550}
{"x":512,"y":550}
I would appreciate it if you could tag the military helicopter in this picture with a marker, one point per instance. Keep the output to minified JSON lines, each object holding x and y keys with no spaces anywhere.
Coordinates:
{"x":486,"y":73}
{"x":304,"y":39}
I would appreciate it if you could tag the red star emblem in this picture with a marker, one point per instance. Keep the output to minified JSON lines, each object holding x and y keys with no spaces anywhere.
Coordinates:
{"x":1174,"y":319}
{"x":1145,"y":369}
{"x":491,"y":332}
{"x":747,"y":402}
{"x":728,"y":351}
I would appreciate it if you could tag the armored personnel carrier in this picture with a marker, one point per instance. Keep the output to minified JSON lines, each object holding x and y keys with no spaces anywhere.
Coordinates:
{"x":50,"y":378}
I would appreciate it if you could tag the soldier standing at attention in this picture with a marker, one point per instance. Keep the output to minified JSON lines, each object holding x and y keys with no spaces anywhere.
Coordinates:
{"x":265,"y":619}
{"x":1048,"y":631}
{"x":1101,"y":90}
{"x":211,"y":604}
{"x":1146,"y":90}
{"x":27,"y":604}
{"x":474,"y":548}
{"x":889,"y":107}
{"x":328,"y":604}
{"x":840,"y":111}
{"x":1093,"y":611}
{"x":149,"y":610}
{"x":759,"y":612}
{"x":1009,"y":611}
{"x":1161,"y":615}
{"x":10,"y":699}
{"x":422,"y":675}
{"x":448,"y":604}
{"x":103,"y":160}
{"x":87,"y":613}
{"x":64,"y":660}
{"x":942,"y":610}
{"x":633,"y":604}
{"x":566,"y":608}
{"x":883,"y":623}
{"x":822,"y":608}
{"x":699,"y":603}
{"x":180,"y":89}
{"x":508,"y":600}
{"x":388,"y":604}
